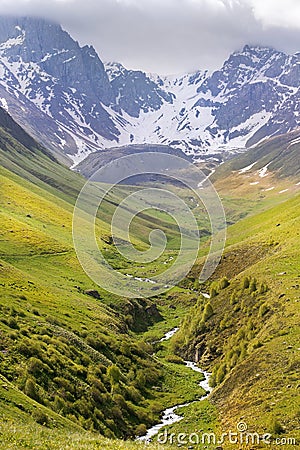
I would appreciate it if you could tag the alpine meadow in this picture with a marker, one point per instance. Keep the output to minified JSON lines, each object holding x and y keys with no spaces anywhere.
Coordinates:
{"x":149,"y":248}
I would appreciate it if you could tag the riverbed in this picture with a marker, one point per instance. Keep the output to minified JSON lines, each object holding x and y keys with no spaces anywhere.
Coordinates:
{"x":169,"y":415}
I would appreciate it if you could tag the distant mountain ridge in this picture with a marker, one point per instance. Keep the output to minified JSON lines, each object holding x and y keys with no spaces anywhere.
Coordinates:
{"x":65,"y":97}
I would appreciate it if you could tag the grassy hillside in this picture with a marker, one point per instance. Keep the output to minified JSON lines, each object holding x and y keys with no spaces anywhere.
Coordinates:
{"x":279,"y":153}
{"x":248,"y":332}
{"x":260,"y":178}
{"x":70,"y":362}
{"x":73,"y":367}
{"x":81,"y":370}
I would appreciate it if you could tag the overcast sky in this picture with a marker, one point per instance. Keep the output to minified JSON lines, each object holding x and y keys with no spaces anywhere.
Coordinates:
{"x":170,"y":36}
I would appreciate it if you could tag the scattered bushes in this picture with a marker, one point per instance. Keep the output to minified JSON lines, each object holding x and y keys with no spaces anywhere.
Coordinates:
{"x":224,"y":283}
{"x":208,"y":312}
{"x":31,"y":389}
{"x":40,"y":417}
{"x":175,"y":359}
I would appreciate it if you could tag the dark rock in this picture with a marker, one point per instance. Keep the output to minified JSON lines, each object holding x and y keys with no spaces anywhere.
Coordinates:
{"x":153,"y":312}
{"x":93,"y":293}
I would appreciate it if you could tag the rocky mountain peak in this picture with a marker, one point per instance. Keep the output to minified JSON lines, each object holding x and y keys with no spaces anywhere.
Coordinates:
{"x":65,"y":96}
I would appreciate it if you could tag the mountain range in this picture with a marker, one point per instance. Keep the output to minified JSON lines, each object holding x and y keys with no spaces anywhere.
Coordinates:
{"x":72,"y":102}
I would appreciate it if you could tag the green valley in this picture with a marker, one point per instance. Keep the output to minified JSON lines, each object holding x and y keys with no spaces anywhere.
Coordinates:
{"x":82,"y":368}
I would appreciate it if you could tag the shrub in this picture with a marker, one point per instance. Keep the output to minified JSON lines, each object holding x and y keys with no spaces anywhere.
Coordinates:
{"x":213,"y":292}
{"x":245,"y":283}
{"x":114,"y":374}
{"x":59,"y":405}
{"x":28,"y":347}
{"x":40,"y":417}
{"x":263,"y":310}
{"x":252,"y":286}
{"x":133,"y":394}
{"x":141,"y":430}
{"x":31,"y":389}
{"x":221,"y":373}
{"x":208,"y":312}
{"x":174,"y":359}
{"x":233,"y":298}
{"x":276,"y":427}
{"x":35,"y":366}
{"x":263,"y":288}
{"x":224,"y":283}
{"x":12,"y":323}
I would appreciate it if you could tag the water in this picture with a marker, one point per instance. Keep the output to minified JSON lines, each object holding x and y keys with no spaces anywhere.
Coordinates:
{"x":169,"y":334}
{"x":169,"y":415}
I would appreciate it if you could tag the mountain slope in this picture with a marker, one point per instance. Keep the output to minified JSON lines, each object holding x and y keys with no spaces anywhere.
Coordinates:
{"x":72,"y":356}
{"x":70,"y":101}
{"x":22,"y":155}
{"x":263,"y":176}
{"x":249,"y":334}
{"x":278,"y":155}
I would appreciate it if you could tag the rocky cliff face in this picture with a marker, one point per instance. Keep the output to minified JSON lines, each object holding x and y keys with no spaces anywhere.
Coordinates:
{"x":68,"y":99}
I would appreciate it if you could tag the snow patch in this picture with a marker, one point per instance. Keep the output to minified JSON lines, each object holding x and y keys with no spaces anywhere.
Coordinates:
{"x":12,"y":42}
{"x":4,"y":103}
{"x":283,"y":191}
{"x":246,"y":169}
{"x":264,"y":171}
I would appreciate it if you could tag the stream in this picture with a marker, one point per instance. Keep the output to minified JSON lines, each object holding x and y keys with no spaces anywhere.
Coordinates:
{"x":169,"y":415}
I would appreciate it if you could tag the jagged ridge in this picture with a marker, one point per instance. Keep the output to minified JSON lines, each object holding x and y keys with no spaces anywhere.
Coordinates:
{"x":64,"y":95}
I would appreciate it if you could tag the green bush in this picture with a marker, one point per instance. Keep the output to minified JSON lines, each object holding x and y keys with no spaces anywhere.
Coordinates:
{"x":12,"y":323}
{"x":174,"y":359}
{"x":224,"y":283}
{"x":213,"y":292}
{"x":40,"y":417}
{"x":276,"y":427}
{"x":221,"y":373}
{"x":141,"y":430}
{"x":263,"y":310}
{"x":31,"y":389}
{"x":245,"y":283}
{"x":252,"y":286}
{"x":208,"y":312}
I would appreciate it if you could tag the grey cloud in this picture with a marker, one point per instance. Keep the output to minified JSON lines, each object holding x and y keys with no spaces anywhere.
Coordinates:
{"x":169,"y":36}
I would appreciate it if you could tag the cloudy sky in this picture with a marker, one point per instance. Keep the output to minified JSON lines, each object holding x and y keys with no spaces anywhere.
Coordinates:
{"x":170,"y":36}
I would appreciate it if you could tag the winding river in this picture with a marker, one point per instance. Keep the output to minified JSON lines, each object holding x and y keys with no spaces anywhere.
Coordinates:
{"x":169,"y":415}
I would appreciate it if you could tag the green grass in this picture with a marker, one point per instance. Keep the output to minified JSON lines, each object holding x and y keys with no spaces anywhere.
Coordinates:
{"x":251,"y":341}
{"x":57,"y":343}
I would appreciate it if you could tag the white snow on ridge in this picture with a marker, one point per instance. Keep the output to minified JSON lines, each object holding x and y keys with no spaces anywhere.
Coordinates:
{"x":246,"y":169}
{"x":264,"y":171}
{"x":248,"y":129}
{"x":4,"y":103}
{"x":13,"y":41}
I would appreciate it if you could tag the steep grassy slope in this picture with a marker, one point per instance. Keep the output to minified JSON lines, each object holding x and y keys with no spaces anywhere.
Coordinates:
{"x":279,"y":153}
{"x":248,"y":332}
{"x":260,"y":178}
{"x":70,"y":362}
{"x":58,"y":342}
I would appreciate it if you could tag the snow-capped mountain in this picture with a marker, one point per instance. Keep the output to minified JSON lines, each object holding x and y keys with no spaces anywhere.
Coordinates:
{"x":73,"y":103}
